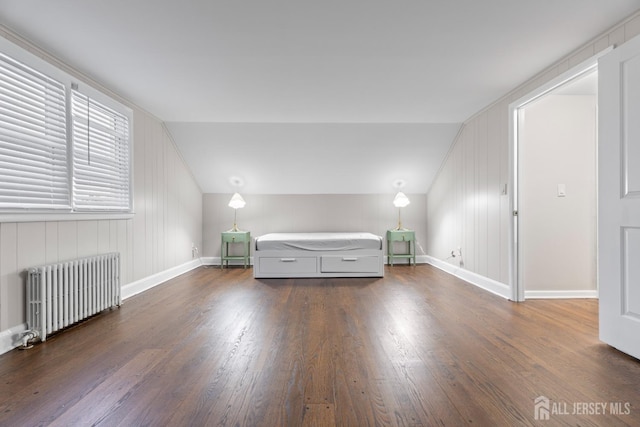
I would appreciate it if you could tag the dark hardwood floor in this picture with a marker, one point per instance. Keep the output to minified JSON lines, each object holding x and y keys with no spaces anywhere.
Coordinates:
{"x":417,"y":348}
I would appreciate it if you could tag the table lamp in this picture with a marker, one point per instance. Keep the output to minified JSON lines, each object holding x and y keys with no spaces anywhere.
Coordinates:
{"x":236,"y":203}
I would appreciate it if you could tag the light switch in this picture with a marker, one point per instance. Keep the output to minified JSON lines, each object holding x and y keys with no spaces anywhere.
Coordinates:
{"x":562,"y":190}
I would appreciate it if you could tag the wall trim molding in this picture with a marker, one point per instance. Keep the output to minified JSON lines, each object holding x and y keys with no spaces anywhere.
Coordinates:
{"x":215,"y":260}
{"x":11,"y":338}
{"x":211,"y":260}
{"x":134,"y":288}
{"x":482,"y":282}
{"x":585,"y":293}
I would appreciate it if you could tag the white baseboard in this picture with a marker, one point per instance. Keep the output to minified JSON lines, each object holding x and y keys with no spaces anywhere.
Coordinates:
{"x":560,"y":294}
{"x":420,"y":259}
{"x":134,"y":288}
{"x":215,"y":260}
{"x":11,"y":338}
{"x":210,"y":260}
{"x":485,"y":283}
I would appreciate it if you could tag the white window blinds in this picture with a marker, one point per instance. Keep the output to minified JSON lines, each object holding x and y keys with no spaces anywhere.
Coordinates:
{"x":34,"y":172}
{"x":101,"y":158}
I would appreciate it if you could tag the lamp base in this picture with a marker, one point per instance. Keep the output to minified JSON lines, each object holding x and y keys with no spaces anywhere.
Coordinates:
{"x":235,"y":225}
{"x":400,"y":227}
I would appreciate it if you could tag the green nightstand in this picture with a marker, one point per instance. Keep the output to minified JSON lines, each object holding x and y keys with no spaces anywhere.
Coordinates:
{"x":243,"y":237}
{"x":408,"y":236}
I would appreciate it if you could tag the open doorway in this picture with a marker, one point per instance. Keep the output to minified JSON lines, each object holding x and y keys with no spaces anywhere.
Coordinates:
{"x":557,"y":187}
{"x":554,"y":199}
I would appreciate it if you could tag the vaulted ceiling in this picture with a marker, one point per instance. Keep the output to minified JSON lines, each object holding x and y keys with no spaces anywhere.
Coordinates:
{"x":332,"y":96}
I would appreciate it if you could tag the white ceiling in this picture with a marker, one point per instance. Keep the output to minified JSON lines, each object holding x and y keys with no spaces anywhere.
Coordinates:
{"x":301,"y":96}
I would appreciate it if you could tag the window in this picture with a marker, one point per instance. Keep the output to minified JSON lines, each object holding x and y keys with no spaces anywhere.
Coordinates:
{"x":100,"y":155}
{"x":33,"y":139}
{"x":61,"y":149}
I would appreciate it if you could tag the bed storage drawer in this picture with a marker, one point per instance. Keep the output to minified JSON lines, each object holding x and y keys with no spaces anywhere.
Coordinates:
{"x":289,"y":265}
{"x":350,"y":264}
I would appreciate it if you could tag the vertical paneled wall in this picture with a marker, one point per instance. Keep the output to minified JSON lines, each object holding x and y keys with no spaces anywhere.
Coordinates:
{"x":167,"y":221}
{"x":167,"y":202}
{"x":465,"y":206}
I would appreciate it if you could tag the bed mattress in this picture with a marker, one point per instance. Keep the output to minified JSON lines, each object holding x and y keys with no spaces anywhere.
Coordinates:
{"x":318,"y":241}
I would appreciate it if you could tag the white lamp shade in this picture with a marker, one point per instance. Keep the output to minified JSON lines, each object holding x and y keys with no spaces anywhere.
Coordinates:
{"x":237,"y":201}
{"x":401,"y":200}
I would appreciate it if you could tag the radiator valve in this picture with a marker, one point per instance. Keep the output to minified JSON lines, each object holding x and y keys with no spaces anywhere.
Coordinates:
{"x":27,"y":338}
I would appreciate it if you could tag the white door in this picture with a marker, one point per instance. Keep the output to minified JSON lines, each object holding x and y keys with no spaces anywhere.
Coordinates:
{"x":619,"y":197}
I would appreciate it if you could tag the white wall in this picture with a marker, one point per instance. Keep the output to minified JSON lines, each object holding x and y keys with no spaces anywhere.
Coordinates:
{"x":167,"y":220}
{"x":465,"y":207}
{"x":314,"y":158}
{"x":557,"y":235}
{"x":373,"y":213}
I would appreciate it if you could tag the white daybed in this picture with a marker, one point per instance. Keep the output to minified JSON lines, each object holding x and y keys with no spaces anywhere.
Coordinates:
{"x":318,"y":255}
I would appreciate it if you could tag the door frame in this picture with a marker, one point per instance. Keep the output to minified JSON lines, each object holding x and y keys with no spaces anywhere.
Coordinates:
{"x":516,"y":288}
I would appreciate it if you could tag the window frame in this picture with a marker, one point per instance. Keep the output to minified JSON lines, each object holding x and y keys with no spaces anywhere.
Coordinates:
{"x":36,"y":60}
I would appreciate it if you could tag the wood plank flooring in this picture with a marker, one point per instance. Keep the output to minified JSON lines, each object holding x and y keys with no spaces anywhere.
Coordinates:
{"x":416,"y":348}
